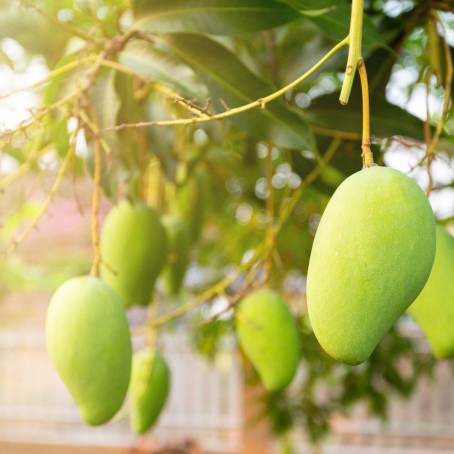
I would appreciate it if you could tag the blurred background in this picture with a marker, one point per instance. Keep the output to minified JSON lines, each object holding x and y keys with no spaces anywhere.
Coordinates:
{"x":211,"y":408}
{"x":401,"y":401}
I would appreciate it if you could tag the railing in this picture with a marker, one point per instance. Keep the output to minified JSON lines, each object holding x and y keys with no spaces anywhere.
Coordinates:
{"x":421,"y":424}
{"x":205,"y":405}
{"x":205,"y":401}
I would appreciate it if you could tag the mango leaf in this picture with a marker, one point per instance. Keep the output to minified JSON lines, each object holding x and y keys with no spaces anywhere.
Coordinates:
{"x":32,"y":32}
{"x":105,"y":99}
{"x":232,"y":84}
{"x":154,"y":64}
{"x":333,"y":19}
{"x":106,"y":103}
{"x":387,"y":120}
{"x":66,"y":83}
{"x":58,"y":132}
{"x":218,"y":17}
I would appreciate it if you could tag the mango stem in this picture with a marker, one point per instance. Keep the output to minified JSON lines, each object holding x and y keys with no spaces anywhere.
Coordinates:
{"x":368,"y":157}
{"x":355,"y":39}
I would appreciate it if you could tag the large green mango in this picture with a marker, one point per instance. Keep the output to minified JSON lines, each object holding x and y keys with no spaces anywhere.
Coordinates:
{"x":372,"y":254}
{"x":268,"y":336}
{"x":150,"y":385}
{"x":133,"y":251}
{"x":433,"y":310}
{"x":89,"y":343}
{"x":179,"y":250}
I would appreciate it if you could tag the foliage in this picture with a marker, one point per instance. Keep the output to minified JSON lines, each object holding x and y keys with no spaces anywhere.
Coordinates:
{"x":121,"y":72}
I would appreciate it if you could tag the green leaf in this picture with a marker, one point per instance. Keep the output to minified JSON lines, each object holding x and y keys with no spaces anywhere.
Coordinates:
{"x":105,"y":100}
{"x":106,"y":103}
{"x":33,"y":32}
{"x":335,"y":22}
{"x":58,"y":131}
{"x":231,"y":83}
{"x":218,"y":17}
{"x":387,"y":120}
{"x":64,"y":83}
{"x":154,"y":64}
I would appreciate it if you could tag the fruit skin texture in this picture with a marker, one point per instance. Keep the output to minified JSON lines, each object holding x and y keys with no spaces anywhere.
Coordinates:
{"x":433,"y":310}
{"x":372,"y":254}
{"x":133,"y":251}
{"x":268,"y":336}
{"x":150,"y":385}
{"x":179,"y":250}
{"x":89,"y":343}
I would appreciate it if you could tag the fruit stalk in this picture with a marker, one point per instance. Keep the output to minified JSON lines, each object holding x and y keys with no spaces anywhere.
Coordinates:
{"x":95,"y":210}
{"x":354,"y":49}
{"x":368,"y":158}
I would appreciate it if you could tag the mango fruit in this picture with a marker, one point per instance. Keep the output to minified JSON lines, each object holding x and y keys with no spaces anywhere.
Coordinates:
{"x":372,"y":254}
{"x":89,"y":343}
{"x":133,"y":251}
{"x":179,"y":251}
{"x":268,"y":336}
{"x":149,"y":390}
{"x":433,"y":309}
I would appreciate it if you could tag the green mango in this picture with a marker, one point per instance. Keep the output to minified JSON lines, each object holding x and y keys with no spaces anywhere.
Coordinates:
{"x":268,"y":336}
{"x":372,"y":254}
{"x":150,"y":385}
{"x":133,"y":251}
{"x":89,"y":343}
{"x":179,"y":251}
{"x":433,"y":310}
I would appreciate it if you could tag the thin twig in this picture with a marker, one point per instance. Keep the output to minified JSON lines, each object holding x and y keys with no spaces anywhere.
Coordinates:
{"x":43,"y":210}
{"x":427,"y":134}
{"x":211,"y":292}
{"x":261,"y":251}
{"x":51,"y":76}
{"x":262,"y":102}
{"x":287,"y":209}
{"x":7,"y":136}
{"x":159,"y":87}
{"x":95,"y":209}
{"x":22,"y":169}
{"x":68,"y":28}
{"x":446,"y":99}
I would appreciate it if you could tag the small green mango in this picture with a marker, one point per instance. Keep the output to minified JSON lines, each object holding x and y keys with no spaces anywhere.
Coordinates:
{"x":179,"y":251}
{"x":150,"y":385}
{"x":89,"y":343}
{"x":268,"y":336}
{"x":133,"y":251}
{"x":433,"y":310}
{"x":372,"y":254}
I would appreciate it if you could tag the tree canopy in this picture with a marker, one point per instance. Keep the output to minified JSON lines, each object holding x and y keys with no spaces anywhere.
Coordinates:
{"x":227,"y":113}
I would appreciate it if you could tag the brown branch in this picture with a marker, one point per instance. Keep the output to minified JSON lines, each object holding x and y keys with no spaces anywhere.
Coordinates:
{"x":261,"y":102}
